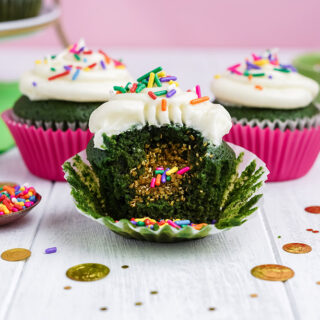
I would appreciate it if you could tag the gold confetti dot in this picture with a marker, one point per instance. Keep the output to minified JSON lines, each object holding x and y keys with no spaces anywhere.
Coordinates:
{"x":296,"y":248}
{"x":318,"y":282}
{"x":138,"y":304}
{"x":153,"y":292}
{"x":88,"y":272}
{"x":16,"y":254}
{"x":253,"y":295}
{"x":67,"y":287}
{"x":125,"y":267}
{"x":103,"y":308}
{"x":212,"y":309}
{"x":272,"y":272}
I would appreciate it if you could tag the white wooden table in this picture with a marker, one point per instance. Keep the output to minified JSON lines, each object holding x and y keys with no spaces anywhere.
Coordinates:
{"x":190,"y":277}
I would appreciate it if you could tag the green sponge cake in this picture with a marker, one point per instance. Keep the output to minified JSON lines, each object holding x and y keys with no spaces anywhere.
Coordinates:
{"x":125,"y":176}
{"x":242,"y":112}
{"x":157,"y":152}
{"x":56,"y":111}
{"x":66,"y":87}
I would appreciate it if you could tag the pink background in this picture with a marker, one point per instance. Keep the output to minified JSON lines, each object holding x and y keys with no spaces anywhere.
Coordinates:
{"x":223,"y":23}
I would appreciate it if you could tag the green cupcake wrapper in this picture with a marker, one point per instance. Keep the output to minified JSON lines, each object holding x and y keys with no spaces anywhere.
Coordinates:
{"x":167,"y":233}
{"x":164,"y":234}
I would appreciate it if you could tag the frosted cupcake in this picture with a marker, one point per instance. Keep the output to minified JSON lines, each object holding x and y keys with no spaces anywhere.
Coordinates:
{"x":158,"y":152}
{"x":59,"y":95}
{"x":273,"y":113}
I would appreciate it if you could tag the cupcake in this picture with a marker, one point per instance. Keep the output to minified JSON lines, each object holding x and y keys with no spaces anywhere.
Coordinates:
{"x":19,"y":9}
{"x":157,"y":158}
{"x":58,"y":96}
{"x":273,"y":113}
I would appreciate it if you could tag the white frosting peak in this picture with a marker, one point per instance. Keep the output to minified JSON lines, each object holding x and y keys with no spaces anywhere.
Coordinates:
{"x":275,"y":86}
{"x":126,"y":110}
{"x":87,"y":76}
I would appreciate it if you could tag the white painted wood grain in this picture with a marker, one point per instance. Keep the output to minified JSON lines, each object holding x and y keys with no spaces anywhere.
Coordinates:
{"x":284,"y":212}
{"x":190,"y":277}
{"x":19,"y":234}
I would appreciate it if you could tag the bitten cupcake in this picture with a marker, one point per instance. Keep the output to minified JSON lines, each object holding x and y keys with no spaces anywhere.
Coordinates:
{"x":157,"y":158}
{"x":59,"y":95}
{"x":273,"y":113}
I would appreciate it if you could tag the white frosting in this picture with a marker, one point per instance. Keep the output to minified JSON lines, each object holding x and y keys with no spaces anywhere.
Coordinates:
{"x":282,"y":91}
{"x":137,"y":109}
{"x":92,"y":85}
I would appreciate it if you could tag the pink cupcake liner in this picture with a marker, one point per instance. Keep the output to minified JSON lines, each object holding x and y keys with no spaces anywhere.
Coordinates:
{"x":287,"y":154}
{"x":44,"y":151}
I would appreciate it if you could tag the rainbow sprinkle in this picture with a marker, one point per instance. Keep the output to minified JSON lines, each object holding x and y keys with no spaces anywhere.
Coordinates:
{"x":16,"y":198}
{"x":154,"y":79}
{"x":253,"y":68}
{"x":174,"y":223}
{"x":79,"y":55}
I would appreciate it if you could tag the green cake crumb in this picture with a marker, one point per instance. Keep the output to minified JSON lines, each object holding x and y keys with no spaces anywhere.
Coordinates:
{"x":116,"y":184}
{"x":241,"y":112}
{"x":54,"y":110}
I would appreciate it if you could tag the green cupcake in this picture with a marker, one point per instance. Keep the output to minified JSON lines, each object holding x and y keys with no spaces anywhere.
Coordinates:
{"x":263,"y":89}
{"x":19,"y":9}
{"x":62,"y":90}
{"x":157,"y":152}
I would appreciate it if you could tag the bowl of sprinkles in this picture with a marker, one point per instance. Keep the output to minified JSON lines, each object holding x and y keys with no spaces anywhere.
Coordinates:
{"x":157,"y":168}
{"x":16,"y":201}
{"x":273,"y":113}
{"x":58,"y":96}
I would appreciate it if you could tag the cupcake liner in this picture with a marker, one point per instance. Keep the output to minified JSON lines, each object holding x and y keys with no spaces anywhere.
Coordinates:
{"x":44,"y":151}
{"x":299,"y":124}
{"x":51,"y":124}
{"x":289,"y":154}
{"x":167,"y":233}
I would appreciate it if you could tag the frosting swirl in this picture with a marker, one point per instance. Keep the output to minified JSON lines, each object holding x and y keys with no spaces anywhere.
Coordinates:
{"x":76,"y":74}
{"x":263,"y":82}
{"x":127,"y":110}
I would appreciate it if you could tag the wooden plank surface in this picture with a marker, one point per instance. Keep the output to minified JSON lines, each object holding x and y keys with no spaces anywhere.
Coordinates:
{"x":285,"y":216}
{"x":20,"y":234}
{"x":190,"y":277}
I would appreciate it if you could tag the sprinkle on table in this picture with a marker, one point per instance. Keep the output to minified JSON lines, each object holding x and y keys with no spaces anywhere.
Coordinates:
{"x":51,"y":250}
{"x":313,"y":209}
